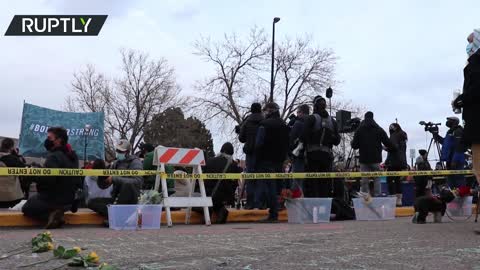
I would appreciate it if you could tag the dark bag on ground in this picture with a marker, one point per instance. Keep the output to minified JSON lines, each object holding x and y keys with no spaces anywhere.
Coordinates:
{"x":342,"y":210}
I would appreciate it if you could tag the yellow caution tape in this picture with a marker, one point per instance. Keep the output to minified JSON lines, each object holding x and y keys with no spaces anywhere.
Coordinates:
{"x":220,"y":176}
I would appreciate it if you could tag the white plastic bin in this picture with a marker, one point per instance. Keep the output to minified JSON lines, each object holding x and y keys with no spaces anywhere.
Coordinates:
{"x":377,"y":209}
{"x":309,"y":210}
{"x":125,"y":217}
{"x":460,"y":207}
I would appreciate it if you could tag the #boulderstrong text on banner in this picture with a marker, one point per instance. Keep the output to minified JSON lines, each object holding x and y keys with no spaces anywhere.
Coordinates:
{"x":36,"y":120}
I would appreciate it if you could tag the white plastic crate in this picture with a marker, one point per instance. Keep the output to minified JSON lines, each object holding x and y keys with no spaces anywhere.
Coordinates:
{"x":309,"y":210}
{"x":460,"y":207}
{"x":377,"y":209}
{"x":126,"y":217}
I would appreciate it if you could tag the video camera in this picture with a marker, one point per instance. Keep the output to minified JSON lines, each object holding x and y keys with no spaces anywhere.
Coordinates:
{"x":431,"y":127}
{"x":351,"y":125}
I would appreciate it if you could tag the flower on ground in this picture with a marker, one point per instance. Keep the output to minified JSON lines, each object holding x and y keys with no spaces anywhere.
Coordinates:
{"x":77,"y":249}
{"x":48,"y":233}
{"x":93,"y":257}
{"x":50,"y":246}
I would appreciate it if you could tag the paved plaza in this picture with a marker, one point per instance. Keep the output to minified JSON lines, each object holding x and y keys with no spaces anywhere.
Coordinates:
{"x":396,"y":244}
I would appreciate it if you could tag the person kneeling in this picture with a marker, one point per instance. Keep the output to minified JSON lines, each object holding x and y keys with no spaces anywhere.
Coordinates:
{"x":125,"y":189}
{"x":97,"y":192}
{"x":55,"y":194}
{"x":222,"y":191}
{"x":434,"y":204}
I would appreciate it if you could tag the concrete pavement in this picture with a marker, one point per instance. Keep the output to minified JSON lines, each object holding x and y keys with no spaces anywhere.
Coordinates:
{"x":396,"y":244}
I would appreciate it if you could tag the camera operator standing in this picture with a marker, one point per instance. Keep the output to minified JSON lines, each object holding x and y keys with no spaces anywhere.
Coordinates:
{"x":247,"y":135}
{"x":320,"y":135}
{"x":369,"y":138}
{"x":453,"y":151}
{"x":470,"y":99}
{"x":397,"y":161}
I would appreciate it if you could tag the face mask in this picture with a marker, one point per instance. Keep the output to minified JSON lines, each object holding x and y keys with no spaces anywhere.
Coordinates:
{"x":121,"y":156}
{"x":470,"y":49}
{"x":48,"y":144}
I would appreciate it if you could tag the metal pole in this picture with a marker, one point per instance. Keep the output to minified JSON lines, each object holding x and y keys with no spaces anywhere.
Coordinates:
{"x":85,"y":152}
{"x":272,"y":84}
{"x":330,"y":105}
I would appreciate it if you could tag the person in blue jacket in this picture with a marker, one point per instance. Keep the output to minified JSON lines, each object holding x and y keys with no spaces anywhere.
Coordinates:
{"x":453,"y":151}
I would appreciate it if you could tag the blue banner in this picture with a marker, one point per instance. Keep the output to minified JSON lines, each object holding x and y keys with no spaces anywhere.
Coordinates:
{"x":36,"y":121}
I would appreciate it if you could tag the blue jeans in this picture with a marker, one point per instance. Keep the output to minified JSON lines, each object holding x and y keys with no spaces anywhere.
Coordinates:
{"x":268,"y":187}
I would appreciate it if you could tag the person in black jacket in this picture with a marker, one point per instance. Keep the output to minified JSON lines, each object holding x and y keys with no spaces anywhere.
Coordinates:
{"x":55,"y":193}
{"x":248,"y":134}
{"x":470,"y":100}
{"x":271,"y":149}
{"x":222,"y":192}
{"x":369,"y":138}
{"x":319,"y":136}
{"x":297,"y":147}
{"x":397,"y":160}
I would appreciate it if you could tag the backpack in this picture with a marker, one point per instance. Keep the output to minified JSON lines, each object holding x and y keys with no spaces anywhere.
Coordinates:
{"x":325,"y":127}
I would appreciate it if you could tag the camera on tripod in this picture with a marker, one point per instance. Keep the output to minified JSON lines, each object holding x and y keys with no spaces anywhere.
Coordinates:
{"x":431,"y":127}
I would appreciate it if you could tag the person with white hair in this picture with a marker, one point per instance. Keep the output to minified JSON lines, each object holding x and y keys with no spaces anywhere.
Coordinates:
{"x":469,"y":101}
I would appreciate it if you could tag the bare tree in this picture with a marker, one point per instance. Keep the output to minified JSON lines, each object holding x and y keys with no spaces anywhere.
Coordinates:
{"x":302,"y":72}
{"x":242,"y":66}
{"x":145,"y":88}
{"x":224,"y":94}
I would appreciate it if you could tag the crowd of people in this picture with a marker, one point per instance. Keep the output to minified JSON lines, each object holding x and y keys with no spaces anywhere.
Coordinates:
{"x":269,"y":143}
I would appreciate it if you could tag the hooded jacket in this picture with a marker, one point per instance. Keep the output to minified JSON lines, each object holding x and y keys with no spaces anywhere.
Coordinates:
{"x":369,"y":138}
{"x":398,"y":159}
{"x":248,"y":132}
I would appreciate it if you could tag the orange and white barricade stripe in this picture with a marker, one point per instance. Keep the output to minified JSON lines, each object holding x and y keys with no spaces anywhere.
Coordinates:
{"x":193,"y":158}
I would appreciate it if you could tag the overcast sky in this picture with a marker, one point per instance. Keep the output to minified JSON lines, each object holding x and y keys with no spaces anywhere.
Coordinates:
{"x":399,"y":58}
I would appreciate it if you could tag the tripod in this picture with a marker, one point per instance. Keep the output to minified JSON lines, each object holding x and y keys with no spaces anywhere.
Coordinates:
{"x":352,"y":156}
{"x":438,"y":147}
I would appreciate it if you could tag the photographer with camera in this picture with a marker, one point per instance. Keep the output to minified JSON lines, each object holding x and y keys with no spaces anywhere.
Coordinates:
{"x":469,"y":101}
{"x":247,"y":134}
{"x":369,"y":138}
{"x":319,"y":136}
{"x":296,"y":144}
{"x":453,"y":150}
